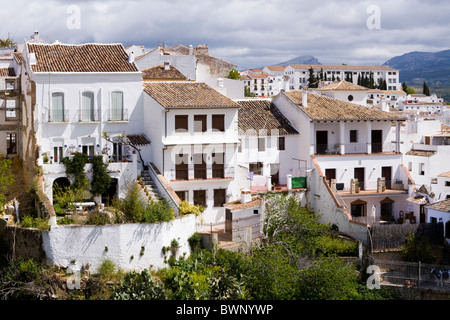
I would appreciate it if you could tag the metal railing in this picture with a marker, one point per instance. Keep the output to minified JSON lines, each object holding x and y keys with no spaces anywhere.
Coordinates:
{"x":88,"y":115}
{"x":163,"y":190}
{"x":414,"y":274}
{"x":201,"y":174}
{"x":58,"y":115}
{"x":117,"y":115}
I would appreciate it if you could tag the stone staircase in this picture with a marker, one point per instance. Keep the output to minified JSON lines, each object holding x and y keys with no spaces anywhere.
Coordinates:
{"x":150,"y":186}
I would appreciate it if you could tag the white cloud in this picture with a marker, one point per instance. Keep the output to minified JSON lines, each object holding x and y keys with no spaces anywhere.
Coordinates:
{"x":246,"y":32}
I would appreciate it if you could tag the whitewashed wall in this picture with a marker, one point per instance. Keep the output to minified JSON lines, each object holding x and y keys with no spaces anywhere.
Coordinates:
{"x":74,"y":246}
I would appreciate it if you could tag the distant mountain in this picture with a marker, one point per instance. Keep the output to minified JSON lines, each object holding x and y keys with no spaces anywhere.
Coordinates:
{"x":299,"y":60}
{"x":417,"y":67}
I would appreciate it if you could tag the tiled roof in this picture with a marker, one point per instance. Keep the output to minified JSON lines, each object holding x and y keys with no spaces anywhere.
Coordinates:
{"x":81,"y":58}
{"x":420,"y":153}
{"x":262,"y":114}
{"x":441,"y":205}
{"x":179,"y":48}
{"x":341,"y":67}
{"x":276,"y":68}
{"x":342,"y":86}
{"x":238,"y":205}
{"x":7,"y":72}
{"x":325,"y":108}
{"x":445,"y":174}
{"x":159,"y":72}
{"x":138,"y":139}
{"x":187,"y":94}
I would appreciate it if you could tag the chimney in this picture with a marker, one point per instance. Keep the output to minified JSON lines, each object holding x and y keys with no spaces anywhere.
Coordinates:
{"x":220,"y":82}
{"x":203,"y":48}
{"x":191,"y":50}
{"x":304,"y":98}
{"x":246,"y":196}
{"x":166,"y":65}
{"x":131,"y":57}
{"x":36,"y":35}
{"x":384,"y":106}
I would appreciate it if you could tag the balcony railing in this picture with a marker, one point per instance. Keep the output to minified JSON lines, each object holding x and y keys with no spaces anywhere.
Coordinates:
{"x":58,"y":115}
{"x":117,"y":115}
{"x":349,"y":148}
{"x":201,"y":174}
{"x":88,"y":115}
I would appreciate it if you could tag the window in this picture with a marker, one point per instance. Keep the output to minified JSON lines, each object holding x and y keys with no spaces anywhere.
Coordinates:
{"x":261,"y":144}
{"x":11,"y":143}
{"x":200,"y":197}
{"x":57,"y":154}
{"x":256,"y":168}
{"x":117,"y":111}
{"x":9,"y":84}
{"x":200,"y":123}
{"x":181,"y":123}
{"x":350,"y":98}
{"x":421,"y":169}
{"x":219,"y":197}
{"x":281,"y":143}
{"x":88,"y":150}
{"x":11,"y":110}
{"x":447,"y":183}
{"x":182,"y":195}
{"x":57,"y":113}
{"x":410,"y":166}
{"x":218,"y":165}
{"x":353,"y":135}
{"x":218,"y":122}
{"x":117,"y":151}
{"x":240,"y":145}
{"x":87,"y":106}
{"x":181,"y":167}
{"x":199,"y":166}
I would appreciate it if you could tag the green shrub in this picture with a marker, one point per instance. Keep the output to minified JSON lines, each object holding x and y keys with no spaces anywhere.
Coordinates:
{"x":139,"y":286}
{"x":66,"y":220}
{"x":195,"y":242}
{"x":417,"y":248}
{"x":107,"y":269}
{"x":132,"y":205}
{"x":58,"y":210}
{"x":97,"y":217}
{"x":157,"y":211}
{"x":328,"y":245}
{"x":31,"y":222}
{"x":186,"y":208}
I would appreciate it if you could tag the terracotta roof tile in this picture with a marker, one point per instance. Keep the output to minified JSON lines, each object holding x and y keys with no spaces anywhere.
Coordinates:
{"x":420,"y":153}
{"x":238,"y":205}
{"x":187,"y":94}
{"x":7,"y":72}
{"x":138,"y":139}
{"x":441,"y":205}
{"x":445,"y":174}
{"x":342,"y":86}
{"x":262,"y":114}
{"x":342,"y":67}
{"x":81,"y":58}
{"x":158,"y":72}
{"x":325,"y":108}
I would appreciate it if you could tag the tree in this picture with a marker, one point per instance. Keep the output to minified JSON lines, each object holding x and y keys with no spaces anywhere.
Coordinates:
{"x":7,"y":43}
{"x":234,"y":74}
{"x":101,"y":180}
{"x":312,"y":80}
{"x":6,"y":179}
{"x":123,"y":139}
{"x":426,"y":90}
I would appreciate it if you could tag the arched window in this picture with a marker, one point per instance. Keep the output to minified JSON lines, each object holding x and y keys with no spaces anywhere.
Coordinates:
{"x":57,"y":112}
{"x":87,"y":106}
{"x":359,"y":208}
{"x":117,"y":111}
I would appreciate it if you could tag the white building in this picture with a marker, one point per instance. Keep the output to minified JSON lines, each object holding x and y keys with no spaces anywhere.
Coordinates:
{"x":256,"y":81}
{"x":268,"y":145}
{"x":345,"y":91}
{"x":276,"y":80}
{"x":391,"y":97}
{"x":73,"y":94}
{"x":194,"y":134}
{"x":9,"y":105}
{"x":439,"y":212}
{"x":299,"y":74}
{"x":342,"y":143}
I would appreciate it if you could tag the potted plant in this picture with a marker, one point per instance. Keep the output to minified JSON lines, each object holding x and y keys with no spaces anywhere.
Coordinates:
{"x":45,"y":159}
{"x":356,"y":186}
{"x":174,"y":245}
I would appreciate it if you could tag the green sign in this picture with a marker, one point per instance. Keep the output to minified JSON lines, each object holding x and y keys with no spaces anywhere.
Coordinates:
{"x":298,"y":182}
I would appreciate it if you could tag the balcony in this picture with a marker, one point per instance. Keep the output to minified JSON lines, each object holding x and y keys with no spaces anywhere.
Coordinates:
{"x":200,"y":174}
{"x":119,"y":115}
{"x":353,"y":148}
{"x":354,"y":188}
{"x":88,"y":115}
{"x":58,"y":116}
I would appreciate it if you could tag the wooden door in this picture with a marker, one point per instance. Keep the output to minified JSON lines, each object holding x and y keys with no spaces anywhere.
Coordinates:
{"x":321,"y":141}
{"x":359,"y":174}
{"x":228,"y":220}
{"x":330,"y":174}
{"x":377,"y":145}
{"x":386,"y":173}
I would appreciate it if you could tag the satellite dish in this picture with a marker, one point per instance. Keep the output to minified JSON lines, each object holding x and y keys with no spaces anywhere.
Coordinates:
{"x":432,"y":195}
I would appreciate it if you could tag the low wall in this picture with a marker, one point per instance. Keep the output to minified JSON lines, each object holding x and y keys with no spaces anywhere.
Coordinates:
{"x":129,"y":246}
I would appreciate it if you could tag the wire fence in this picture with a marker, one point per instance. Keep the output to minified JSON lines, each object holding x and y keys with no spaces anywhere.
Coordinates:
{"x":413,"y":274}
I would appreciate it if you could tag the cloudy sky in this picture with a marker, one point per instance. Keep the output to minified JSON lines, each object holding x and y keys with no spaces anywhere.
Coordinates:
{"x":249,"y":33}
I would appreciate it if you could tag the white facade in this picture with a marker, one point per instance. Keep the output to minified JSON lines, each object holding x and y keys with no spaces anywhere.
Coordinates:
{"x":168,"y":143}
{"x":77,"y":126}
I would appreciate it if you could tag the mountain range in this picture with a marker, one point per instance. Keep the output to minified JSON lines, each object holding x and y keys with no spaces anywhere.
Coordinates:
{"x":299,"y":60}
{"x":416,"y":67}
